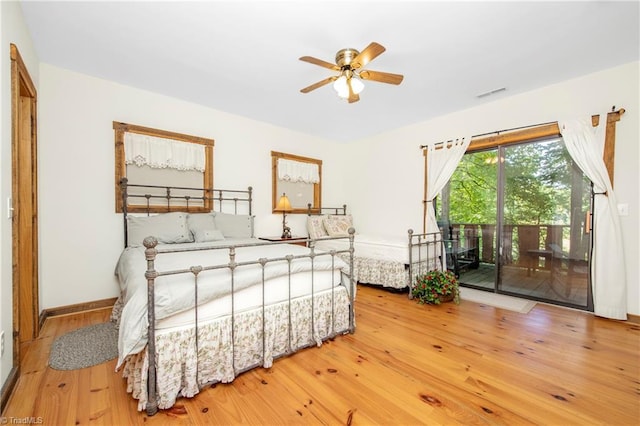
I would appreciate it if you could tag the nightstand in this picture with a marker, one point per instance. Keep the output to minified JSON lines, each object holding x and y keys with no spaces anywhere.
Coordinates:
{"x":301,"y":241}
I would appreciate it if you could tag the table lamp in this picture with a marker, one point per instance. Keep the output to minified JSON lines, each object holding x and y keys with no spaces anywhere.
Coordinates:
{"x":284,"y":206}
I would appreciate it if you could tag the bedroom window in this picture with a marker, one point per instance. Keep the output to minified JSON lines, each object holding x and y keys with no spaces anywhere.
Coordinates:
{"x":158,"y":159}
{"x":298,"y":177}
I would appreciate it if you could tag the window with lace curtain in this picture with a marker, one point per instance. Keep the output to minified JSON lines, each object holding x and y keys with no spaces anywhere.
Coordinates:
{"x":298,"y":177}
{"x":161,"y":158}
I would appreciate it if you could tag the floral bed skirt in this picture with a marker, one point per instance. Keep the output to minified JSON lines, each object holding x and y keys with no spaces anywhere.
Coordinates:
{"x":387,"y":273}
{"x":182,"y":370}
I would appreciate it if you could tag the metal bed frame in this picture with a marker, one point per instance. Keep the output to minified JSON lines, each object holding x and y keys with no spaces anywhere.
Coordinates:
{"x":432,"y":245}
{"x":151,"y":274}
{"x":426,"y":246}
{"x":219,"y":197}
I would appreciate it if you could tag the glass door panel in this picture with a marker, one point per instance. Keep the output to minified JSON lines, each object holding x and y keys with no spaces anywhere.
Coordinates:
{"x":544,"y":247}
{"x":469,"y":206}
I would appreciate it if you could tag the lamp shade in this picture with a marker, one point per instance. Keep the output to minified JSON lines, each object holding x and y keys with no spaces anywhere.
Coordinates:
{"x":283,"y":204}
{"x":356,"y":85}
{"x":341,"y":85}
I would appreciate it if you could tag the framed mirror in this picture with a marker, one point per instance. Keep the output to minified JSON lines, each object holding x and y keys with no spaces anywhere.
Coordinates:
{"x":298,"y":177}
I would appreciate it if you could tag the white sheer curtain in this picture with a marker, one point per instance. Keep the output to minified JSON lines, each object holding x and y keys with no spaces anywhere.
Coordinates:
{"x":585,"y":144}
{"x":440,"y":163}
{"x":162,"y":153}
{"x":298,"y":171}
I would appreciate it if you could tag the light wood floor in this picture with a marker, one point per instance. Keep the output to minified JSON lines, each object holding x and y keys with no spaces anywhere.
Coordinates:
{"x":405,"y":364}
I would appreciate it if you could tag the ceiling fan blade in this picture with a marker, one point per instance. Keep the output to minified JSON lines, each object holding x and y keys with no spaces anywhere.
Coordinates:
{"x":320,"y":62}
{"x":321,"y":83}
{"x":369,"y":53}
{"x":382,"y":77}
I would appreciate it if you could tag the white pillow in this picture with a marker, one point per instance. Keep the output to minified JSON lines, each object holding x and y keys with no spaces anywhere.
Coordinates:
{"x":234,"y":225}
{"x":203,"y":235}
{"x":337,"y":226}
{"x":200,"y":222}
{"x":315,"y":227}
{"x":167,"y":228}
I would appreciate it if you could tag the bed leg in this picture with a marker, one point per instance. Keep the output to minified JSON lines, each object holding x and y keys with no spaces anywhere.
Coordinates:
{"x":152,"y":408}
{"x":151,"y":274}
{"x":410,"y":272}
{"x":352,"y":283}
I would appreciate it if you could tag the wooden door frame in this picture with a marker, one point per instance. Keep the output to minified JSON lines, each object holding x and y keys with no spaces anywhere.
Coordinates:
{"x":22,"y":86}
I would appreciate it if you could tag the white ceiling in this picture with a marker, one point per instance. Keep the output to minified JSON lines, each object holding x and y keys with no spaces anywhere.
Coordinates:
{"x":242,"y":56}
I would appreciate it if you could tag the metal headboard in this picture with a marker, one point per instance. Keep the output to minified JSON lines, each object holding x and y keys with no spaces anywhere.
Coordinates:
{"x":338,"y":211}
{"x":174,"y":200}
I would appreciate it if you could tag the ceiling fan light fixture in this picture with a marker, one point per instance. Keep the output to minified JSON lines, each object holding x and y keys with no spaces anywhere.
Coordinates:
{"x":356,"y":85}
{"x":341,"y":87}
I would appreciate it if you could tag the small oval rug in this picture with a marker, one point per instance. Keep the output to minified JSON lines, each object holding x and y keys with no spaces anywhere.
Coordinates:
{"x":85,"y":347}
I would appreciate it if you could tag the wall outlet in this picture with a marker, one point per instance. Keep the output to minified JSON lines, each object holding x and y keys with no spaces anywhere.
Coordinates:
{"x":1,"y":343}
{"x":623,"y":209}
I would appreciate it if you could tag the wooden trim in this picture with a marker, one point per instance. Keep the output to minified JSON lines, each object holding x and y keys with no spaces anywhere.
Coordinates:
{"x":22,"y":87}
{"x":16,"y":63}
{"x":121,"y":168}
{"x":8,"y":386}
{"x":635,"y":319}
{"x":513,"y":137}
{"x":552,"y":130}
{"x":78,"y":307}
{"x":610,"y":141}
{"x":141,"y":130}
{"x":22,"y":68}
{"x":424,"y":195}
{"x":317,"y":187}
{"x":295,"y":157}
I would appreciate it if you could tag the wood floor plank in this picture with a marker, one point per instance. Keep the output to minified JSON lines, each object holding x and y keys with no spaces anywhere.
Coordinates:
{"x":407,"y":363}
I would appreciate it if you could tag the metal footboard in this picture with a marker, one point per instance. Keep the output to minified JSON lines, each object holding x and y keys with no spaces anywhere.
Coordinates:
{"x":426,"y":253}
{"x":152,"y":274}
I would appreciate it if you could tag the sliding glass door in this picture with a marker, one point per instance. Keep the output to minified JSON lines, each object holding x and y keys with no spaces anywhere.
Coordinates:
{"x":468,"y":218}
{"x":519,"y":213}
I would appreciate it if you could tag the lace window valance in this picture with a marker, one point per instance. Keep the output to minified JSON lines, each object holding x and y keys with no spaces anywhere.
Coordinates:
{"x":296,"y":171}
{"x":161,"y":153}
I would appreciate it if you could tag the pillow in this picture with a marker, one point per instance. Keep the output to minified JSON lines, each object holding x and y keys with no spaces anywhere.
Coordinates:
{"x":234,"y":225}
{"x":168,"y":228}
{"x":315,"y":227}
{"x":347,"y":217}
{"x":200,"y":222}
{"x":204,"y":235}
{"x":337,"y":226}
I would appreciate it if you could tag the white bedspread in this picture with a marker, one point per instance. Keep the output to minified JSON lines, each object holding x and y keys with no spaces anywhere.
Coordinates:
{"x":394,"y":249}
{"x":175,"y":293}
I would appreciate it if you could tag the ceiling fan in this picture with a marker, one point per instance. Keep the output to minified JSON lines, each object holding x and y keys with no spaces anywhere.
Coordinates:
{"x":349,"y":64}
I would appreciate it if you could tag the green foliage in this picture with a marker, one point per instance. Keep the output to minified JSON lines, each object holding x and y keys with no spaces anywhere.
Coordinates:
{"x":435,"y":285}
{"x":537,"y":176}
{"x":473,"y":189}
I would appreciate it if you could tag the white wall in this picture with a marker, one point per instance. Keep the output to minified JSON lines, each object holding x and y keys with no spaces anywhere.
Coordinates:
{"x":12,"y":30}
{"x":391,"y":202}
{"x":80,"y":234}
{"x":80,"y":241}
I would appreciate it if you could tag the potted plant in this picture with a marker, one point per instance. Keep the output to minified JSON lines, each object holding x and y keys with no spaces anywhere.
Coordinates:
{"x":436,"y":287}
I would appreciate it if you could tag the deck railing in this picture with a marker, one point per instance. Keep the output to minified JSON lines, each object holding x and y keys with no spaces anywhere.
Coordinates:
{"x":531,"y":246}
